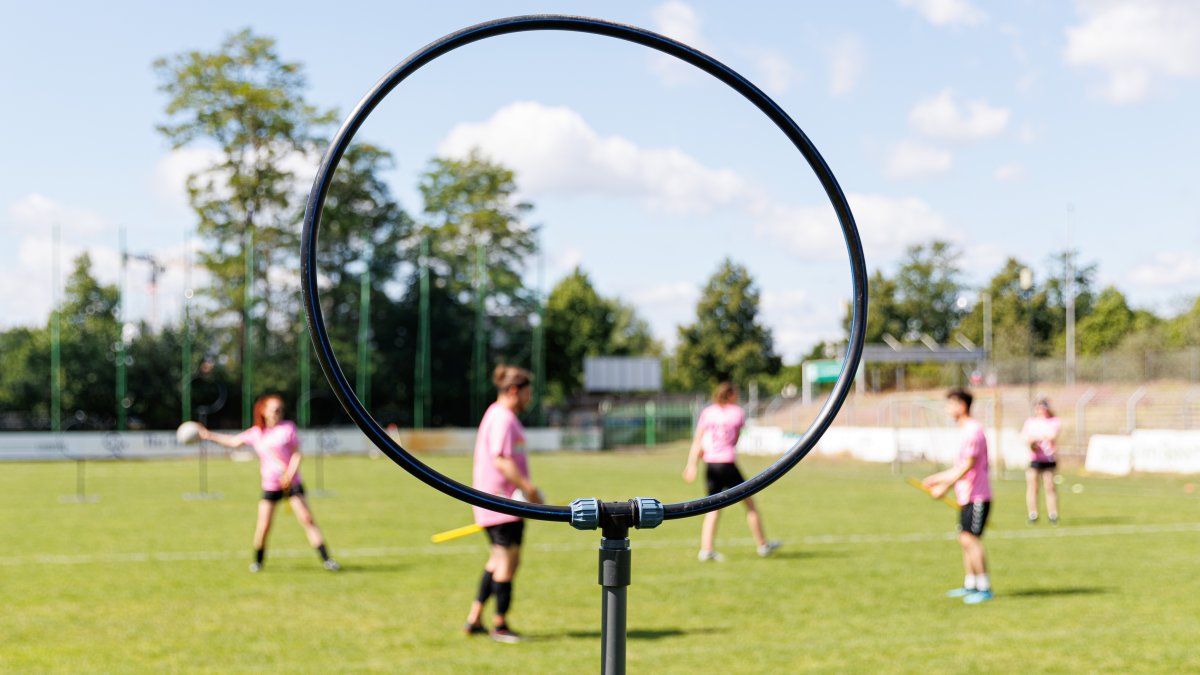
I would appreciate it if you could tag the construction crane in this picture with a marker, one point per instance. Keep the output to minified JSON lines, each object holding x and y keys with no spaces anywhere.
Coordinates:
{"x":156,"y":268}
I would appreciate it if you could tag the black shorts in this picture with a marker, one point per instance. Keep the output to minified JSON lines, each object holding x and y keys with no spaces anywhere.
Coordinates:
{"x":276,"y":495}
{"x":1043,"y":466}
{"x":721,"y":477}
{"x":507,"y":534}
{"x":973,"y":517}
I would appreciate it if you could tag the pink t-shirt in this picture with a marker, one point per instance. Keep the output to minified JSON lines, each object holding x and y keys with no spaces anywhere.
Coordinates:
{"x":1040,"y":432}
{"x":974,"y":486}
{"x":274,"y":447}
{"x":720,"y":426}
{"x":500,"y":435}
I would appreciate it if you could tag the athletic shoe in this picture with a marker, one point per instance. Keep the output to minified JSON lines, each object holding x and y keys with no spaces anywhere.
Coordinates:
{"x":1053,"y":518}
{"x":978,"y":597}
{"x":1033,"y":518}
{"x":771,"y":545}
{"x":255,"y":567}
{"x":474,"y":629}
{"x":705,"y":556}
{"x":331,"y":565}
{"x":960,"y":592}
{"x":506,"y":635}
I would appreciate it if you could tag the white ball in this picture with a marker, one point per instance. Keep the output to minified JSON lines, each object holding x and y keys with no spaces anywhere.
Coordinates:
{"x":188,"y":433}
{"x":1077,"y":488}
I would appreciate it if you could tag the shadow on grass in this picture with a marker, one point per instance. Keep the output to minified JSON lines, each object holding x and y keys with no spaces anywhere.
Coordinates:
{"x":636,"y":634}
{"x":1055,"y":592}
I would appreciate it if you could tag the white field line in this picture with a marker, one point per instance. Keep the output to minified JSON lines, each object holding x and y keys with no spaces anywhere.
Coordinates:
{"x":649,"y":543}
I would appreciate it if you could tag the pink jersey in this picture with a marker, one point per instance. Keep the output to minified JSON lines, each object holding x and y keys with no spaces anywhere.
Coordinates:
{"x":1041,"y":432}
{"x":500,"y":435}
{"x":974,"y":486}
{"x":274,"y":447}
{"x":720,"y":426}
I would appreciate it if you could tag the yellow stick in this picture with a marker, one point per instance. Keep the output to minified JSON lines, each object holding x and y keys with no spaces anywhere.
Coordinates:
{"x":946,"y":499}
{"x":464,"y":531}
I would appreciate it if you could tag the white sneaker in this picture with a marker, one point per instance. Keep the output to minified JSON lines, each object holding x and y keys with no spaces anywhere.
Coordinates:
{"x":705,"y":556}
{"x":766,"y":549}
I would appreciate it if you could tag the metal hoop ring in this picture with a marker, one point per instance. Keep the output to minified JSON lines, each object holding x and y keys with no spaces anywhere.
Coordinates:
{"x":324,"y":177}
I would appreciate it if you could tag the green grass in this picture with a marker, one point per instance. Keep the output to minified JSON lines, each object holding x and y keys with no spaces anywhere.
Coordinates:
{"x":143,"y":580}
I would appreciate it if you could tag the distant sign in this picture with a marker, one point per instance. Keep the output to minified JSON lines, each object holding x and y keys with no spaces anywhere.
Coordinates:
{"x":822,"y":371}
{"x":622,"y":373}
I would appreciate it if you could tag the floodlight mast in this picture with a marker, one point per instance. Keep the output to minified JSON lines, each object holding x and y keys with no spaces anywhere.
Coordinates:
{"x":613,"y":518}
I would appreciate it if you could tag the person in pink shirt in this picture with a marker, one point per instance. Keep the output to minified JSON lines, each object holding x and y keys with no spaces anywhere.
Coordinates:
{"x":1041,"y":433}
{"x":717,"y":432}
{"x":501,"y":467}
{"x":275,"y":442}
{"x":972,"y":491}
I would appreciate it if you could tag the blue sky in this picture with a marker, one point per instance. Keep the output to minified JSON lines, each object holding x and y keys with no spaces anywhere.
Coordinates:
{"x":998,"y":126}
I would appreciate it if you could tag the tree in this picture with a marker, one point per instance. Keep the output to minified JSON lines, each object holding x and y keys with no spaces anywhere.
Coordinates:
{"x":927,"y":289}
{"x":248,"y":102}
{"x":578,"y":323}
{"x":1107,"y":325}
{"x":471,"y":203}
{"x":90,"y":332}
{"x":726,"y":341}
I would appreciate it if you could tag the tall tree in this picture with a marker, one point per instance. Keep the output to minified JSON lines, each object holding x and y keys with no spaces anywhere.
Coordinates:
{"x":248,"y":103}
{"x":472,"y":203}
{"x":90,"y":332}
{"x":928,"y":285}
{"x":726,"y":341}
{"x":578,"y":323}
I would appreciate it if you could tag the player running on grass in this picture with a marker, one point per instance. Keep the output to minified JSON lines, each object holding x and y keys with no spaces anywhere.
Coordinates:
{"x":973,"y":491}
{"x":278,"y":448}
{"x":716,"y":438}
{"x":501,"y":468}
{"x":1041,"y":433}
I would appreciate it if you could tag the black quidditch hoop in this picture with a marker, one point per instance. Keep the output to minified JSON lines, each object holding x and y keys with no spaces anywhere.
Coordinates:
{"x":345,"y":392}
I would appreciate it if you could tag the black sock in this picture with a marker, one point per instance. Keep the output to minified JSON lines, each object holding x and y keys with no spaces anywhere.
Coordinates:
{"x":322,"y":552}
{"x":485,"y":587}
{"x":258,"y":555}
{"x":503,"y":591}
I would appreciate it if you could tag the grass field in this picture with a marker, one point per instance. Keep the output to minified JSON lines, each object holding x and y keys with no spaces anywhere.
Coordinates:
{"x":143,"y":580}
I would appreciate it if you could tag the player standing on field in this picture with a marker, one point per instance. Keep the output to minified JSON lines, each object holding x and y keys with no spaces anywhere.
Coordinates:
{"x":716,"y":438}
{"x":275,"y":442}
{"x":1041,"y":433}
{"x":973,"y":492}
{"x":501,"y":468}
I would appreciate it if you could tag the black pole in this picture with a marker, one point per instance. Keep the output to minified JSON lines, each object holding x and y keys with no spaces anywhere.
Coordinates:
{"x":616,"y":570}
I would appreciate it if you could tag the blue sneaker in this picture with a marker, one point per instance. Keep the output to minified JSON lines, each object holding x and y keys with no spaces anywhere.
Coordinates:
{"x":978,"y":597}
{"x":960,"y":592}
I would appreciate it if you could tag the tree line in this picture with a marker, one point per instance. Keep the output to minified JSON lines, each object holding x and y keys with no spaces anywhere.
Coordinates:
{"x":465,"y":252}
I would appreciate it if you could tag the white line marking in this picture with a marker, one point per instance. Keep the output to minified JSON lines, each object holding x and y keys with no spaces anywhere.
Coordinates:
{"x":443,"y":549}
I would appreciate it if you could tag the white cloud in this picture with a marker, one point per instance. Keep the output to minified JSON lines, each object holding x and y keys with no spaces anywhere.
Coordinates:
{"x":797,"y":323}
{"x":942,"y":117}
{"x":909,"y":159}
{"x":1166,"y":270}
{"x":1026,"y":134}
{"x":676,"y":20}
{"x":1011,"y":171}
{"x":39,"y":211}
{"x":886,"y":224}
{"x":1135,"y":42}
{"x":847,"y":59}
{"x":774,"y":72}
{"x":946,"y":12}
{"x":555,"y":151}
